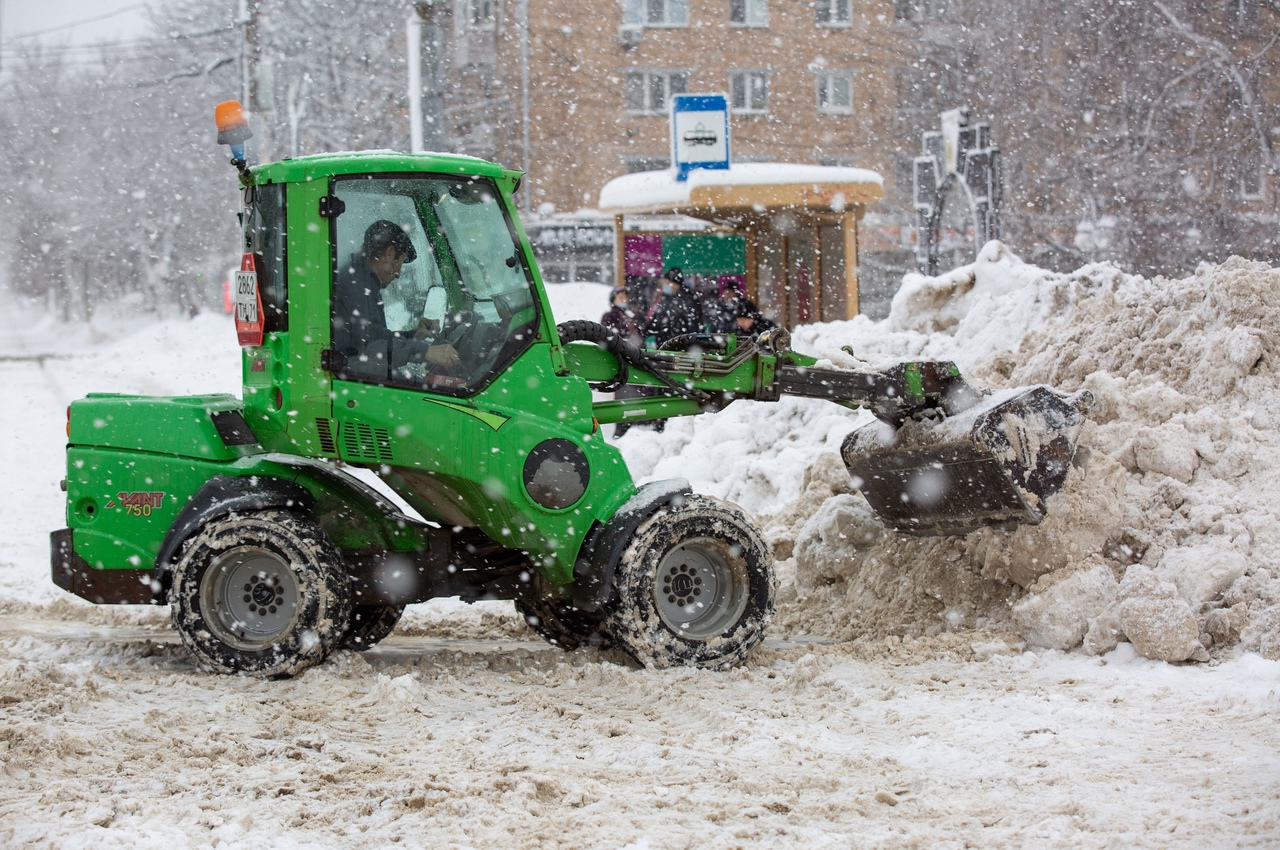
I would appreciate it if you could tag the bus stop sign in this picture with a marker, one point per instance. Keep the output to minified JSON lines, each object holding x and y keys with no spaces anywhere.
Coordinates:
{"x":699,"y":132}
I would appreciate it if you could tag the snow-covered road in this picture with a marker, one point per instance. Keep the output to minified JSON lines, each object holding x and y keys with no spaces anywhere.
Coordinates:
{"x":458,"y":735}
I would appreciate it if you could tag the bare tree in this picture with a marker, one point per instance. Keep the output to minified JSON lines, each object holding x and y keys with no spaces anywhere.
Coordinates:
{"x":1129,"y":127}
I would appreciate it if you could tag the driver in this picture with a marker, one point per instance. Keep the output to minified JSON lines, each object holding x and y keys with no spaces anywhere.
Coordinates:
{"x":359,"y":322}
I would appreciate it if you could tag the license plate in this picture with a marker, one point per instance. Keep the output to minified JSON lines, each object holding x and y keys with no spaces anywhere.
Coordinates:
{"x":247,"y":297}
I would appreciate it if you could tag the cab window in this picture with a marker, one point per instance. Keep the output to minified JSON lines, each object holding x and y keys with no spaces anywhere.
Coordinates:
{"x":429,"y":287}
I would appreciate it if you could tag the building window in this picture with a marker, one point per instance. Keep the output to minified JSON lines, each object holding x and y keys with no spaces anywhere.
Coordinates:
{"x":1252,"y":177}
{"x":1242,"y":14}
{"x":650,"y":92}
{"x":480,"y":14}
{"x":656,"y":13}
{"x":918,"y":10}
{"x":749,"y":91}
{"x":749,"y":13}
{"x":835,"y":92}
{"x":834,"y":13}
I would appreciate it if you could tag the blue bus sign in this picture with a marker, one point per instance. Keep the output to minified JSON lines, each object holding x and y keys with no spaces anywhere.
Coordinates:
{"x":699,"y":132}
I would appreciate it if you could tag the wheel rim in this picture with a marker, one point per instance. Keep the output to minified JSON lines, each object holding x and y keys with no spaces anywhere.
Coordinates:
{"x":249,"y":598}
{"x":699,"y":592}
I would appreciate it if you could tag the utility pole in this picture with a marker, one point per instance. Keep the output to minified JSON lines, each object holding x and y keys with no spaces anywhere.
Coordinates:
{"x":249,"y":66}
{"x":242,"y":18}
{"x":526,"y":197}
{"x":413,"y":45}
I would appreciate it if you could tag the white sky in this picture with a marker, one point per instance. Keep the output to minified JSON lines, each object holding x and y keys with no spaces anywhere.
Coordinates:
{"x":60,"y":22}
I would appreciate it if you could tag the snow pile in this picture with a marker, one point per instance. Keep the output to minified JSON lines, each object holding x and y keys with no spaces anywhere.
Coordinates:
{"x":1163,"y":534}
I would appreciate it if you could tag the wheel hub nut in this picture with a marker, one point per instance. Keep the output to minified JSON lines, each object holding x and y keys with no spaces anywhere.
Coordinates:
{"x":263,"y":595}
{"x":682,"y":585}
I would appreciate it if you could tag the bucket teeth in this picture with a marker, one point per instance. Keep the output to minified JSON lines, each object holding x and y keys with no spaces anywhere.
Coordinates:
{"x":994,"y":464}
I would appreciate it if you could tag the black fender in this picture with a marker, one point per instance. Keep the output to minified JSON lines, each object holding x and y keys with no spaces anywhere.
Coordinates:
{"x":593,"y":572}
{"x":219,"y":496}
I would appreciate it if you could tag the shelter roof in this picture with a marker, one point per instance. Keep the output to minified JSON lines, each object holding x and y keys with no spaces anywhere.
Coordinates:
{"x":743,"y":188}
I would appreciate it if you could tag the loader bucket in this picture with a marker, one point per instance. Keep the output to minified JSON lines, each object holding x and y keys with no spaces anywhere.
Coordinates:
{"x":994,"y":464}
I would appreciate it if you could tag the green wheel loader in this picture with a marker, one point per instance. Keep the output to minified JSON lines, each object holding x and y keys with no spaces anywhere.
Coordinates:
{"x":392,"y":318}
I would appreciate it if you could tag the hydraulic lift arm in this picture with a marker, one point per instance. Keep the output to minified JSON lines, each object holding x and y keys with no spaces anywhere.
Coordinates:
{"x":967,"y":460}
{"x":706,"y":372}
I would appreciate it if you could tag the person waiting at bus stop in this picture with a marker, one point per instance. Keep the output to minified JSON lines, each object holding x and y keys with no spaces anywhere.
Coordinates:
{"x":735,"y":313}
{"x":623,"y":321}
{"x":674,"y":312}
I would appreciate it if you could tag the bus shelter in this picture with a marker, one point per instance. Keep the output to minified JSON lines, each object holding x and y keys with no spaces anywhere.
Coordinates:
{"x":797,"y":226}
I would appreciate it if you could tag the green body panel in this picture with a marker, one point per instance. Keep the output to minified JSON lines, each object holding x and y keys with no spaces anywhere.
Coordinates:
{"x":285,"y":391}
{"x":460,"y":462}
{"x":305,"y":169}
{"x":179,"y":426}
{"x":122,"y":500}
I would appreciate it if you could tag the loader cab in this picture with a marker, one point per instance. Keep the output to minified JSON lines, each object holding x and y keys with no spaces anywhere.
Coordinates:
{"x":308,"y":352}
{"x":352,"y":368}
{"x":458,"y":305}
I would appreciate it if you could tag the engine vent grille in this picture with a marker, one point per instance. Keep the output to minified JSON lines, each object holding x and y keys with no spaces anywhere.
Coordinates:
{"x":324,"y":431}
{"x":364,"y":442}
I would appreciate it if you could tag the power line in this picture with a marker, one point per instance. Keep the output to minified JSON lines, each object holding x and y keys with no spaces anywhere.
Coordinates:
{"x":74,"y":24}
{"x":112,"y":46}
{"x":17,"y":59}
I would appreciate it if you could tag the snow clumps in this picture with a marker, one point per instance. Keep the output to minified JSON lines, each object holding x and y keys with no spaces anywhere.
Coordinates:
{"x":1167,"y":533}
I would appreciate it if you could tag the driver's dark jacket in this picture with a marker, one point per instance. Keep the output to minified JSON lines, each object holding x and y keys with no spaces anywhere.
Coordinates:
{"x":360,"y":325}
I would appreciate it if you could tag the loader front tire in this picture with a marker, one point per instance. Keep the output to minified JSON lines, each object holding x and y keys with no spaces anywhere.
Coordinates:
{"x":694,"y":587}
{"x":261,"y":593}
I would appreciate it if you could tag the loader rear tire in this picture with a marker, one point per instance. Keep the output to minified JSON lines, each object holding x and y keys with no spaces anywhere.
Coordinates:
{"x":368,"y":625}
{"x":261,"y":593}
{"x":694,"y":587}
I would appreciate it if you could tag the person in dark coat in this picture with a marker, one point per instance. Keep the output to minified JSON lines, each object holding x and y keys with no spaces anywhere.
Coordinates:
{"x":750,"y":321}
{"x":359,"y":320}
{"x":620,"y":318}
{"x":675,"y":312}
{"x":723,"y":316}
{"x":623,"y":322}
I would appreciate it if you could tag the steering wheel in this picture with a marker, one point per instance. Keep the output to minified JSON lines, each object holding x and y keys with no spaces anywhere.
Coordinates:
{"x":467,"y":333}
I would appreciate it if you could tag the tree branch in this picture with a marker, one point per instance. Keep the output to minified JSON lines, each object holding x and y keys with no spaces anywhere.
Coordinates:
{"x":1226,"y":61}
{"x":177,"y":75}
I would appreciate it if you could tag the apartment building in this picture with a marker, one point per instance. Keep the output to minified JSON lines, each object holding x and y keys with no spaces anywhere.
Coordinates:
{"x":1103,"y":113}
{"x":580,"y":93}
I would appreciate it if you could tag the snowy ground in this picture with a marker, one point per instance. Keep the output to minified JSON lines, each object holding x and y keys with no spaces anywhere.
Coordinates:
{"x":947,"y":727}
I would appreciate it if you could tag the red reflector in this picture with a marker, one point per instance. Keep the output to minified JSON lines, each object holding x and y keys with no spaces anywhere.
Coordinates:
{"x":279,"y":399}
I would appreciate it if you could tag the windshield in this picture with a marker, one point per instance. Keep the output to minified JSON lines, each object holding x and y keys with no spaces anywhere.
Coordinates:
{"x":429,"y":285}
